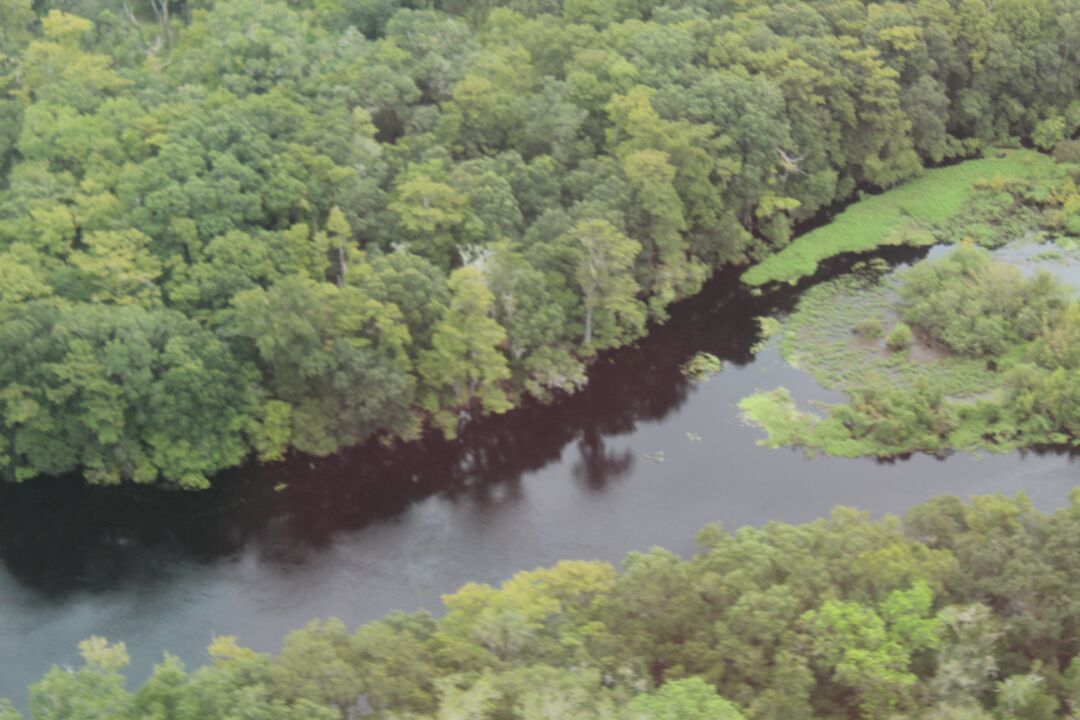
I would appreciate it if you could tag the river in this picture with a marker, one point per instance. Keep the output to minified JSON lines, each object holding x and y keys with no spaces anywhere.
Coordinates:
{"x":374,"y":530}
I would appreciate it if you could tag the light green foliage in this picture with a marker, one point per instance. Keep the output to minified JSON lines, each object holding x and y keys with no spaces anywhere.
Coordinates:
{"x":966,"y":659}
{"x":318,"y":664}
{"x":1059,"y":345}
{"x":526,"y":693}
{"x":465,"y":363}
{"x":1071,"y":682}
{"x":1023,"y":697}
{"x":118,"y":268}
{"x":431,"y":212}
{"x":161,"y":695}
{"x":602,"y":258}
{"x":272,"y":431}
{"x":534,"y":310}
{"x":702,"y":366}
{"x":535,"y":617}
{"x":690,"y":699}
{"x":929,"y":201}
{"x":55,"y":69}
{"x":1049,"y":132}
{"x":871,"y":651}
{"x":977,"y":306}
{"x":899,"y":338}
{"x":16,"y":17}
{"x":317,"y":344}
{"x":397,"y":662}
{"x":775,"y":412}
{"x":93,"y":692}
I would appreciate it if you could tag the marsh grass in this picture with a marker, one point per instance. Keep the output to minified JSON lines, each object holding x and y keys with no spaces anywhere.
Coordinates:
{"x":826,"y":336}
{"x":701,"y":367}
{"x":918,"y":212}
{"x":920,"y":396}
{"x":926,"y":398}
{"x":784,"y":423}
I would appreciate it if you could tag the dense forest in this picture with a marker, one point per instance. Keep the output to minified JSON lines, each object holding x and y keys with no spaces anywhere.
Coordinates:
{"x":231,"y":229}
{"x":958,"y":612}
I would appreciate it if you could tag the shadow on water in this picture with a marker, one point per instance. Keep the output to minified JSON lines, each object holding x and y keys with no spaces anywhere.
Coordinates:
{"x":58,"y":535}
{"x":375,"y":528}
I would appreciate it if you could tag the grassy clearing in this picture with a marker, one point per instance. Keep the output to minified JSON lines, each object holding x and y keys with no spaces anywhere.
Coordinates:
{"x":908,"y":214}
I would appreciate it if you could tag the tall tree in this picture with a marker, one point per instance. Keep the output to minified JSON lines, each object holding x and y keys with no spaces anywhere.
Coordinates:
{"x":465,"y":364}
{"x":603,"y":259}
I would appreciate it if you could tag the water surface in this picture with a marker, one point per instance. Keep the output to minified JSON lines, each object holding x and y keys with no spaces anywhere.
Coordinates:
{"x":376,"y":529}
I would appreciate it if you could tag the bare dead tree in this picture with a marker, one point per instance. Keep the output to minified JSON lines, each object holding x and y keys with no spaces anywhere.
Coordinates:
{"x":790,"y":165}
{"x":138,"y":27}
{"x":164,"y":20}
{"x":161,"y":12}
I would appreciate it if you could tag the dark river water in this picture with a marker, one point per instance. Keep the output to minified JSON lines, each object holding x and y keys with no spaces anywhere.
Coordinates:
{"x":374,"y":530}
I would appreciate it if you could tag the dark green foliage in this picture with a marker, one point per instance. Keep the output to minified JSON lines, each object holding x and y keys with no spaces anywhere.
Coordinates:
{"x":122,"y":392}
{"x":900,"y":420}
{"x":271,"y":198}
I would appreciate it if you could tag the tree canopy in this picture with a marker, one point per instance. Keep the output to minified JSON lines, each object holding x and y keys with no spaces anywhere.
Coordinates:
{"x":960,"y":610}
{"x":234,"y":229}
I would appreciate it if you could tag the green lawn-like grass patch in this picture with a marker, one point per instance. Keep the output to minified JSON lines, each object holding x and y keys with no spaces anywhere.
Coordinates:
{"x":907,"y":214}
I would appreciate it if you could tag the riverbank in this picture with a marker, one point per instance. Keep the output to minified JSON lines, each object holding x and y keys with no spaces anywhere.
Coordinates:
{"x":913,"y":213}
{"x":375,"y":530}
{"x":956,"y":611}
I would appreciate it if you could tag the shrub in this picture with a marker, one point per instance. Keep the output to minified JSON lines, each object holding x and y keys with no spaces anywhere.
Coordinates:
{"x":899,"y":339}
{"x":702,"y":366}
{"x":979,"y":306}
{"x":1049,"y":132}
